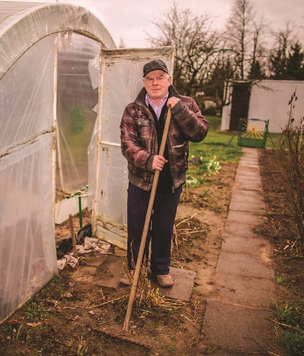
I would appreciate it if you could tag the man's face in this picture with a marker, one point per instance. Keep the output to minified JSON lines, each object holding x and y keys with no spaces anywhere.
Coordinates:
{"x":157,"y":83}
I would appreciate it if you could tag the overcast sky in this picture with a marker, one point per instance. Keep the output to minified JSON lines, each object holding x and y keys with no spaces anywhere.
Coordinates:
{"x":131,"y":20}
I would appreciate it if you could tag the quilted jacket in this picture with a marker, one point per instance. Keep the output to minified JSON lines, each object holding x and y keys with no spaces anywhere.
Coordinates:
{"x":139,"y":138}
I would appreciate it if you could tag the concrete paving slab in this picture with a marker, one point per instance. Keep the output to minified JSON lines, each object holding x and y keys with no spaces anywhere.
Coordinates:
{"x":248,"y":173}
{"x":250,"y":195}
{"x":246,"y":200}
{"x":237,"y":328}
{"x":95,"y":261}
{"x":110,"y":272}
{"x":249,"y":162}
{"x":249,"y":152}
{"x":246,"y":291}
{"x":250,"y":246}
{"x":251,"y":172}
{"x":242,"y":223}
{"x":247,"y":184}
{"x":243,"y":265}
{"x":248,"y":159}
{"x":84,"y":274}
{"x":183,"y":284}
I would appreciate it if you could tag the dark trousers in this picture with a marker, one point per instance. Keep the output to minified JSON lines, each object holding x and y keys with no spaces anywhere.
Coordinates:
{"x":161,"y":227}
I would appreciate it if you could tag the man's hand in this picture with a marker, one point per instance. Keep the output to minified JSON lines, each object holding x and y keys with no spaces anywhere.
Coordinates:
{"x":158,"y":162}
{"x":172,"y":101}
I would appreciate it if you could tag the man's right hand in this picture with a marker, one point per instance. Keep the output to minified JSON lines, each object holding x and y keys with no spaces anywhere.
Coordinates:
{"x":158,"y":163}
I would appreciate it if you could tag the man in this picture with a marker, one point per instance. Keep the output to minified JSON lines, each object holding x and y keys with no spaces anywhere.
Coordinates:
{"x":142,"y":126}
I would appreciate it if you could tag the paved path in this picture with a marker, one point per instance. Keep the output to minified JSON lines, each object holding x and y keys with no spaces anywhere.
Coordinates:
{"x":238,"y":307}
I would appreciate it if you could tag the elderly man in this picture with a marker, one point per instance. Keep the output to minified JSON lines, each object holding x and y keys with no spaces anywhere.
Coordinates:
{"x":142,"y":126}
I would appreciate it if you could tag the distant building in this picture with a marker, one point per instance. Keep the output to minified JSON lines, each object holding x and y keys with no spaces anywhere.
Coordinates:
{"x":264,"y":100}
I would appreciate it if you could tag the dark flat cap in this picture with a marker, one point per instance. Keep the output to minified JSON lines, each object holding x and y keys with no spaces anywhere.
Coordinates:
{"x":156,"y":64}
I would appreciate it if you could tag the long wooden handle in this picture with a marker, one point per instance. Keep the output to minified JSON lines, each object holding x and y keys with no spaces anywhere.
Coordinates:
{"x":146,"y":226}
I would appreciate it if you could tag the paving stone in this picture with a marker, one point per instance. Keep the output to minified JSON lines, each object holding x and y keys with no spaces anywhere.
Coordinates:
{"x":242,"y":223}
{"x":250,"y":246}
{"x":242,"y":184}
{"x":246,"y":291}
{"x":247,"y":200}
{"x":95,"y":261}
{"x":84,"y":274}
{"x":244,"y":265}
{"x":110,"y":272}
{"x":237,"y":328}
{"x":183,"y":284}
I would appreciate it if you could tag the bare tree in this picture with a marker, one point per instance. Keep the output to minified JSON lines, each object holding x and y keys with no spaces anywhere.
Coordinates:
{"x":196,"y":47}
{"x":238,"y":33}
{"x":259,"y":54}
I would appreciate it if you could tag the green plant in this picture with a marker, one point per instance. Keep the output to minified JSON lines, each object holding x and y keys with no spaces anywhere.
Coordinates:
{"x":280,"y":280}
{"x":291,"y":314}
{"x":205,"y":192}
{"x":292,"y":342}
{"x":55,"y":288}
{"x":170,"y":348}
{"x":82,"y":350}
{"x":216,"y":144}
{"x":18,"y":331}
{"x":34,"y":310}
{"x":194,"y":182}
{"x":290,"y":318}
{"x":291,"y":161}
{"x":208,"y":155}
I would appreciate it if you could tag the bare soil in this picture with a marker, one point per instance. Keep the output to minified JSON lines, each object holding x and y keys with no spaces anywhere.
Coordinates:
{"x":72,"y":316}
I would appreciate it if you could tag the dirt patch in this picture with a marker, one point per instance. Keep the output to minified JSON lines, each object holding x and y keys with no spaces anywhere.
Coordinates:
{"x":280,"y":228}
{"x":78,"y":316}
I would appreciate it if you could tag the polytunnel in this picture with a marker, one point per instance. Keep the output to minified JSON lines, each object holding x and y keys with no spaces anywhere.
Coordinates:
{"x":63,"y":88}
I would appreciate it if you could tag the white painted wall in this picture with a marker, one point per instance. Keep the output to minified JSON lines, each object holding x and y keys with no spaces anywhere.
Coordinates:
{"x":269,"y":100}
{"x":226,"y":112}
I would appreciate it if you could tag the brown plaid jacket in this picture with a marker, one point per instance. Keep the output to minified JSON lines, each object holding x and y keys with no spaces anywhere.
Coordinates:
{"x":139,"y":138}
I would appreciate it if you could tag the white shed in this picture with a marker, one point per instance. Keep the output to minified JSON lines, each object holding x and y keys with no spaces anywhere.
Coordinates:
{"x":264,"y":100}
{"x":63,"y":87}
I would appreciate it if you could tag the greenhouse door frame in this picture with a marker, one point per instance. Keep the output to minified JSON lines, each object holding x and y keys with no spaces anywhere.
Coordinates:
{"x":120,"y":82}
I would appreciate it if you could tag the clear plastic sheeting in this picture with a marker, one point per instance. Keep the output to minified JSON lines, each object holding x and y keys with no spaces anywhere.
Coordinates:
{"x":26,"y":97}
{"x":27,"y":254}
{"x":27,"y":251}
{"x":121,"y":80}
{"x":23,"y":23}
{"x":29,"y":54}
{"x":75,"y":110}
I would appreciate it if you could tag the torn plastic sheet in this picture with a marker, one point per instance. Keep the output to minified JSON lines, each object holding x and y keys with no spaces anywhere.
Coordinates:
{"x":90,"y":244}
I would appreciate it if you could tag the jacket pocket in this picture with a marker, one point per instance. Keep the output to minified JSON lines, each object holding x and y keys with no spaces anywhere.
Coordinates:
{"x":143,"y":128}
